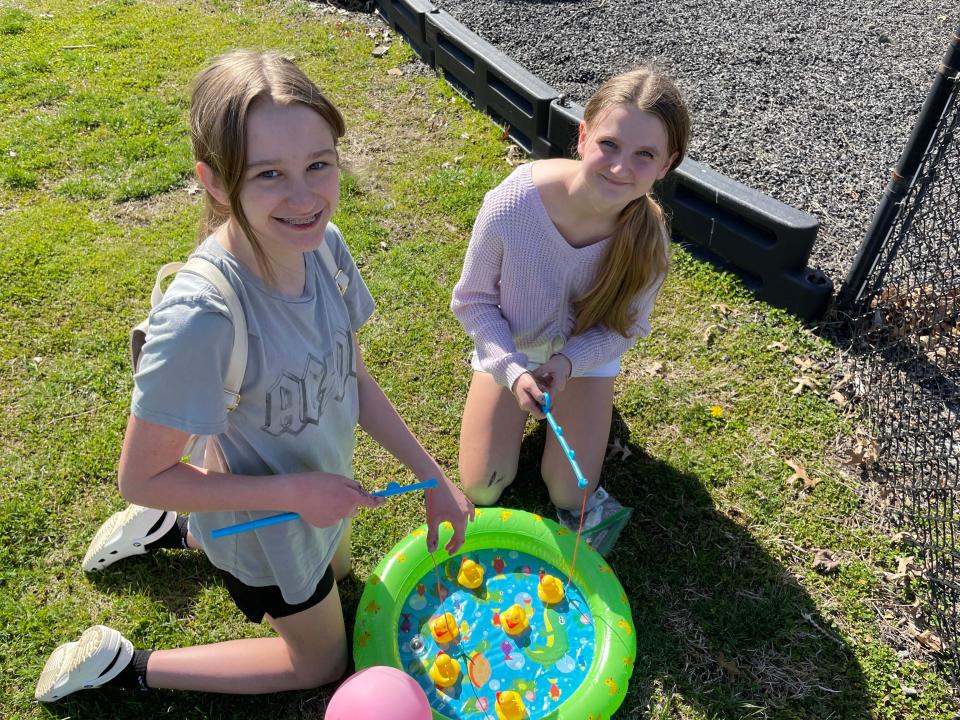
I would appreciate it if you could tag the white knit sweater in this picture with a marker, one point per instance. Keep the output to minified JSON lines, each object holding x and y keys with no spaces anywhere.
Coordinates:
{"x":520,"y":278}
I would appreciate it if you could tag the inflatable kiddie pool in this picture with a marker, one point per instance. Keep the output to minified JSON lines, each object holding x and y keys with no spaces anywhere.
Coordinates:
{"x":573,"y":661}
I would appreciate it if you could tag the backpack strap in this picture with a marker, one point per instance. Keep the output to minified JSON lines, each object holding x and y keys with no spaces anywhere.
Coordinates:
{"x":338,"y":275}
{"x":238,"y":353}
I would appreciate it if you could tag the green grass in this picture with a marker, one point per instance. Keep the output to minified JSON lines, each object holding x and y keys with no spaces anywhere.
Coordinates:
{"x":94,"y":170}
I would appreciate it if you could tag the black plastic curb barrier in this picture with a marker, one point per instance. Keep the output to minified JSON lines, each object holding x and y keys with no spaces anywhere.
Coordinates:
{"x":407,"y":18}
{"x":764,"y":241}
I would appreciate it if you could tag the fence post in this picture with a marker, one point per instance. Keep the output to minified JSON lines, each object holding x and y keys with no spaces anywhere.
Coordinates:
{"x":947,"y":75}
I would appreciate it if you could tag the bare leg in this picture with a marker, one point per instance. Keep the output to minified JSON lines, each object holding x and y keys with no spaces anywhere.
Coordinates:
{"x":584,"y":410}
{"x":342,"y":560}
{"x":311,"y":650}
{"x":192,"y":543}
{"x":490,"y":435}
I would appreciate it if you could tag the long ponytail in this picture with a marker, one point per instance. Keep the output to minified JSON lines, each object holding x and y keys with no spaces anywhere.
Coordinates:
{"x":636,"y":258}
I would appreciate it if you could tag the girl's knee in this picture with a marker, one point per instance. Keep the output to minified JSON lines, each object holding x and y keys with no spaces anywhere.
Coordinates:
{"x":342,"y":563}
{"x":565,"y":500}
{"x":564,"y":491}
{"x":313,"y":671}
{"x":485,"y":491}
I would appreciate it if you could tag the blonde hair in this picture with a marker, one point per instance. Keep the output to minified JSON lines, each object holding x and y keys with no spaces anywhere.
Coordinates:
{"x":219,"y":109}
{"x":638,"y":254}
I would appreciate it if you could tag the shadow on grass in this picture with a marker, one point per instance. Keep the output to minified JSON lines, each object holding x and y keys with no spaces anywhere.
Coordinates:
{"x":719,"y":621}
{"x":172,"y":578}
{"x":175,"y":578}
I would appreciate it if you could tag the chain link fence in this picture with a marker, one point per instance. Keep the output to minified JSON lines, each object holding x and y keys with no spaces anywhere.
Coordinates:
{"x":903,"y":300}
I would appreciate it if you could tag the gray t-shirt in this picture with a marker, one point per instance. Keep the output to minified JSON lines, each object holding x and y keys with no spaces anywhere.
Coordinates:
{"x":298,"y":409}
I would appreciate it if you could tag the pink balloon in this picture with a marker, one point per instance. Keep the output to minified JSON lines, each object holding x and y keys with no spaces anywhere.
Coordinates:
{"x":377,"y":693}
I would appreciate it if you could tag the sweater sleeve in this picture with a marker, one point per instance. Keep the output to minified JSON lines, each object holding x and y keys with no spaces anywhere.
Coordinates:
{"x":476,"y":300}
{"x":599,"y":345}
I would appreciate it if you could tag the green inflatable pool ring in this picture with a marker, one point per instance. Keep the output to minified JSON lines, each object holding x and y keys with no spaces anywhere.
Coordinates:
{"x":375,"y":638}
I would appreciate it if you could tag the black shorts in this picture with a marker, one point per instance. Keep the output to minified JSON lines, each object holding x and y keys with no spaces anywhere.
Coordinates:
{"x":255,"y":602}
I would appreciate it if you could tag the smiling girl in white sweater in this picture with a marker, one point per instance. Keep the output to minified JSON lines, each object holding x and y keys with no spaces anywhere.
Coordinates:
{"x":561,"y":274}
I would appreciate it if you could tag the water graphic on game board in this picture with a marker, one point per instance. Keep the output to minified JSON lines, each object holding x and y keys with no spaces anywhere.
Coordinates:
{"x":498,"y":638}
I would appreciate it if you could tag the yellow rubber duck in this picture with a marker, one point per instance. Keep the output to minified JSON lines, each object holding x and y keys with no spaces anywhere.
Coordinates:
{"x":509,"y":706}
{"x":550,"y":589}
{"x":444,"y":628}
{"x":513,"y":620}
{"x":470,"y":575}
{"x":445,"y":670}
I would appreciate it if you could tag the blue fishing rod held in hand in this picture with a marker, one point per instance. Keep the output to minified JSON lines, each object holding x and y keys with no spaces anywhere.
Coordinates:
{"x":568,"y":451}
{"x":391,"y":489}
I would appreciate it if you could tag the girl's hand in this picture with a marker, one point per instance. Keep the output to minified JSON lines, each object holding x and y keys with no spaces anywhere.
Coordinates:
{"x":328,"y":498}
{"x":446,"y":503}
{"x":529,"y":395}
{"x":552,"y":376}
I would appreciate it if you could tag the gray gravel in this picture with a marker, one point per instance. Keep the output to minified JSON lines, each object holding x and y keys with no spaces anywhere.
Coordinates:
{"x":808,"y":102}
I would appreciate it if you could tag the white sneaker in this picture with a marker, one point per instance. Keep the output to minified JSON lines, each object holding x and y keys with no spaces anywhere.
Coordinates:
{"x":97,"y":657}
{"x":126,"y":533}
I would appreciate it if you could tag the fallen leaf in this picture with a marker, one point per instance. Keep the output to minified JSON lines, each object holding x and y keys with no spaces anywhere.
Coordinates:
{"x":907,"y":566}
{"x":729,"y":666}
{"x":800,"y":474}
{"x":863,"y":452}
{"x":837,"y":398}
{"x":824,"y":562}
{"x":804,"y":363}
{"x":927,"y":638}
{"x":722,"y":308}
{"x":380,"y":50}
{"x":617,"y":450}
{"x":804,"y":382}
{"x":735,"y":513}
{"x":655,"y":369}
{"x":396,"y":72}
{"x":843,"y":382}
{"x":903,"y":538}
{"x":778,"y":347}
{"x":514,"y":156}
{"x":710,"y":334}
